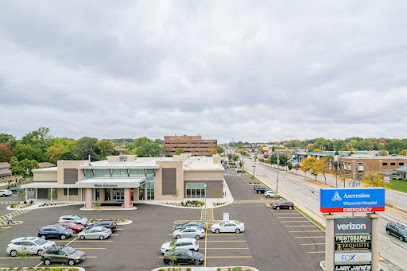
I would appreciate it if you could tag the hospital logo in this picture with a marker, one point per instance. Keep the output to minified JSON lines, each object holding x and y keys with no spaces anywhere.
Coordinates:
{"x":336,"y":197}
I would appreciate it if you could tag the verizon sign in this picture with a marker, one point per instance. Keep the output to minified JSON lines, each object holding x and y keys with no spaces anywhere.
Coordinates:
{"x":353,"y":225}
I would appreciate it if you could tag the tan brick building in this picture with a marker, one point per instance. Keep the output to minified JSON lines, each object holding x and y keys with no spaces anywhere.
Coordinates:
{"x":194,"y":145}
{"x":384,"y":164}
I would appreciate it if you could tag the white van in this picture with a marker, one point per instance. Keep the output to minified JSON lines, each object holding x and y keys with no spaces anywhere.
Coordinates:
{"x":5,"y":193}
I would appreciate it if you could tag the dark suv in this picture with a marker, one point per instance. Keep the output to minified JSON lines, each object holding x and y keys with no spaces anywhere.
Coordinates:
{"x":54,"y":231}
{"x":110,"y":224}
{"x":184,"y":256}
{"x":260,"y":188}
{"x":62,"y":254}
{"x":398,"y":230}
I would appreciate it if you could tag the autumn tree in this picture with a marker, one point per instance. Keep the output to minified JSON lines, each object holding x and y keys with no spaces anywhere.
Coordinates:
{"x":307,"y":164}
{"x":374,"y":179}
{"x":5,"y":152}
{"x":54,"y":152}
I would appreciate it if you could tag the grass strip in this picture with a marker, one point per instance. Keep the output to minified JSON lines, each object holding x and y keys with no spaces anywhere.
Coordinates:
{"x":319,"y":225}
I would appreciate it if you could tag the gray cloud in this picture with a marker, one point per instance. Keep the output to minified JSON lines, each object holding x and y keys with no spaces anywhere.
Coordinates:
{"x":239,"y":70}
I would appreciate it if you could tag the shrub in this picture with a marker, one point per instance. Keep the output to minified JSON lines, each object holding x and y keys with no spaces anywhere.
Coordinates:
{"x":237,"y":269}
{"x":12,"y":206}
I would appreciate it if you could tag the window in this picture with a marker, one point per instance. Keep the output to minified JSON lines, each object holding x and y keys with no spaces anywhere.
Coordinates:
{"x":195,"y":190}
{"x":137,"y":173}
{"x":72,"y":191}
{"x":88,"y":173}
{"x":119,"y":173}
{"x":401,"y":163}
{"x":392,"y":163}
{"x":384,"y":164}
{"x":102,"y":173}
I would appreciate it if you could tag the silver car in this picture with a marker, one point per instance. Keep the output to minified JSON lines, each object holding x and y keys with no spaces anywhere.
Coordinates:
{"x":181,"y":243}
{"x":193,"y":232}
{"x":95,"y":233}
{"x":74,"y":218}
{"x":31,"y":245}
{"x":228,"y":226}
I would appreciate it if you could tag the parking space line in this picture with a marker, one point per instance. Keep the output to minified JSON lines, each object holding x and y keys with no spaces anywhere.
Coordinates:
{"x":73,"y":240}
{"x":301,"y":226}
{"x":90,"y":248}
{"x":17,"y":258}
{"x":308,"y":231}
{"x":85,"y":241}
{"x":228,"y":257}
{"x":316,"y":252}
{"x":228,"y":248}
{"x":312,"y":244}
{"x":224,"y":234}
{"x":309,"y":237}
{"x":224,"y":241}
{"x":120,"y":229}
{"x":298,"y":221}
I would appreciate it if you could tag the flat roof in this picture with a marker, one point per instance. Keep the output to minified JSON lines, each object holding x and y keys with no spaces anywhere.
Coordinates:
{"x":47,"y":185}
{"x":111,"y":183}
{"x":202,"y":163}
{"x":45,"y":169}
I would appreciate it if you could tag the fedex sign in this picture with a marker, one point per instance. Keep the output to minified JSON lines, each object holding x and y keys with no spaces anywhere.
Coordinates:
{"x":346,"y":200}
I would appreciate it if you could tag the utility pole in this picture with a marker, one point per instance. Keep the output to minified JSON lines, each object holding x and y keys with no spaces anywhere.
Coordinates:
{"x":277,"y":183}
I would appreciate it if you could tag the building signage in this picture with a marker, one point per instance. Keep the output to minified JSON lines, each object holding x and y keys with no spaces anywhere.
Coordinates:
{"x":353,"y":242}
{"x":359,"y":267}
{"x":344,"y":200}
{"x":353,"y":225}
{"x":105,"y":185}
{"x":356,"y":257}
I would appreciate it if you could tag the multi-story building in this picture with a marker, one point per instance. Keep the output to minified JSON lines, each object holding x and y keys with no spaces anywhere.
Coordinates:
{"x":194,"y":145}
{"x":128,"y":179}
{"x":5,"y":172}
{"x":385,"y":164}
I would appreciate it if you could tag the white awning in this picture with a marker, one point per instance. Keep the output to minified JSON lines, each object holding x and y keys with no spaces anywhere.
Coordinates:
{"x":48,"y":185}
{"x":111,"y":183}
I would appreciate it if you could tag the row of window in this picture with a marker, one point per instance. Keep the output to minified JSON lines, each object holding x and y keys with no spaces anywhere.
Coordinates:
{"x":393,"y":163}
{"x":120,"y":173}
{"x":195,"y":190}
{"x":72,"y":191}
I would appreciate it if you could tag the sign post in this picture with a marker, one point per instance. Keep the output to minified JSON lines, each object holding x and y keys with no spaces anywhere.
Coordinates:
{"x":352,"y":242}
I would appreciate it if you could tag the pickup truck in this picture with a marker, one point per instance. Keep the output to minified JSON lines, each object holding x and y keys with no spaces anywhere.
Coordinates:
{"x":260,"y":188}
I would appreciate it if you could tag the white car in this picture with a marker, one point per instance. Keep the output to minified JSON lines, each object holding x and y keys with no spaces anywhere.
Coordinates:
{"x":74,"y":218}
{"x":182,"y":243}
{"x":95,"y":233}
{"x":270,"y":194}
{"x":33,"y":245}
{"x":228,"y":226}
{"x":5,"y":193}
{"x":192,"y":232}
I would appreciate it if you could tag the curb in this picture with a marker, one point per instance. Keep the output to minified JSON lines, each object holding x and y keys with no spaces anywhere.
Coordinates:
{"x":204,"y":268}
{"x":44,"y":268}
{"x":42,"y":207}
{"x":103,"y":209}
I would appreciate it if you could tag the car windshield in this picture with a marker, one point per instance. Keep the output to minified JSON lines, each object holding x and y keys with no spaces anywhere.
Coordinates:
{"x":72,"y":224}
{"x":69,"y":250}
{"x":189,"y":253}
{"x":77,"y":217}
{"x":40,"y":241}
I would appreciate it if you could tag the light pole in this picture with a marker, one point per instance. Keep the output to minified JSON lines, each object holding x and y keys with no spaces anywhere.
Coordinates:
{"x":205,"y":206}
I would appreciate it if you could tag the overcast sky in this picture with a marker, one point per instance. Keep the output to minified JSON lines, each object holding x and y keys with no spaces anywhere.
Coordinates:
{"x":227,"y":70}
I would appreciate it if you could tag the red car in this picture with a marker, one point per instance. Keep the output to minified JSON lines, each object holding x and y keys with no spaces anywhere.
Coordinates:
{"x":283,"y":205}
{"x":73,"y":226}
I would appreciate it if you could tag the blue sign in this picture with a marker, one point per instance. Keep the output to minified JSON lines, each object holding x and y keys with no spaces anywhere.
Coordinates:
{"x":344,"y":200}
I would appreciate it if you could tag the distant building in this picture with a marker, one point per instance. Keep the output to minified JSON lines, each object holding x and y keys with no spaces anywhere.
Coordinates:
{"x":5,"y":172}
{"x":194,"y":145}
{"x":384,"y":164}
{"x":46,"y":165}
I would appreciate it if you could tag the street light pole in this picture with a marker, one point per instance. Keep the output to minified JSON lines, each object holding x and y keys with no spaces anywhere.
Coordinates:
{"x":277,"y":183}
{"x":205,"y":206}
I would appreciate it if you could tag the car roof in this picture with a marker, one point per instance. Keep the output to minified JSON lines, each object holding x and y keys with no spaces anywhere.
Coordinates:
{"x":185,"y":240}
{"x":25,"y":239}
{"x":98,"y":228}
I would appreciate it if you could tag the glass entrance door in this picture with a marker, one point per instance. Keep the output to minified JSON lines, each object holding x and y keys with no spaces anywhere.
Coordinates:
{"x":118,"y":194}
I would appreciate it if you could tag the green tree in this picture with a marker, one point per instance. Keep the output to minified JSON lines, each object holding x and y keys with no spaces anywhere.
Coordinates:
{"x":138,"y":142}
{"x":220,"y":150}
{"x":106,"y":148}
{"x":98,"y":207}
{"x":15,"y":166}
{"x":403,"y":152}
{"x":149,"y":149}
{"x":175,"y":193}
{"x":24,"y":151}
{"x":382,"y":153}
{"x":290,"y":166}
{"x":171,"y":256}
{"x":339,"y":145}
{"x":6,"y":138}
{"x":21,"y":194}
{"x":69,"y":143}
{"x":28,"y":165}
{"x":365,"y":144}
{"x":381,"y":146}
{"x":5,"y":152}
{"x":179,"y":151}
{"x":235,"y":157}
{"x":321,"y":143}
{"x":130,"y":146}
{"x":87,"y":146}
{"x":67,"y":156}
{"x":38,"y":139}
{"x":54,"y":152}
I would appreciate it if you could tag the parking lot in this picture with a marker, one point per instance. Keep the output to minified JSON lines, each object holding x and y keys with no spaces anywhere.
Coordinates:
{"x":273,"y":240}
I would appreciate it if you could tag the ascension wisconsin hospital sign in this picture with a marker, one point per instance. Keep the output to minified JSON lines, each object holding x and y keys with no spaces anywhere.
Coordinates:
{"x":347,"y":200}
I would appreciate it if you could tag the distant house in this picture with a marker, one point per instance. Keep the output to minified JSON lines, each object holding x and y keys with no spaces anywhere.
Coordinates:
{"x":46,"y":165}
{"x":5,"y":172}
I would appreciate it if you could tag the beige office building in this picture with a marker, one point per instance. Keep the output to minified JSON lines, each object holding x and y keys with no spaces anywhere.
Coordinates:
{"x":194,"y":145}
{"x":127,"y":179}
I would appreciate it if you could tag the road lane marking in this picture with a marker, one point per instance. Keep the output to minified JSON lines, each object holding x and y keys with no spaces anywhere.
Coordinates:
{"x":119,"y":229}
{"x":312,"y":244}
{"x":290,"y":217}
{"x":308,"y":237}
{"x":315,"y":252}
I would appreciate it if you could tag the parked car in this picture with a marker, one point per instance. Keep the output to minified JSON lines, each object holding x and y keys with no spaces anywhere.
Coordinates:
{"x":54,"y":231}
{"x":228,"y":226}
{"x":239,"y":170}
{"x":283,"y":205}
{"x":191,"y":223}
{"x":185,"y":257}
{"x":398,"y":230}
{"x":16,"y":189}
{"x":260,"y":188}
{"x":181,"y":243}
{"x":110,"y":224}
{"x":64,"y":254}
{"x":270,"y":194}
{"x":71,"y":225}
{"x":5,"y":193}
{"x":74,"y":218}
{"x":32,"y":245}
{"x":95,"y":233}
{"x":193,"y":232}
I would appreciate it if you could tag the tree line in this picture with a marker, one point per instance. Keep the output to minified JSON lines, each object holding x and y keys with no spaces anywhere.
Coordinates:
{"x":40,"y":146}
